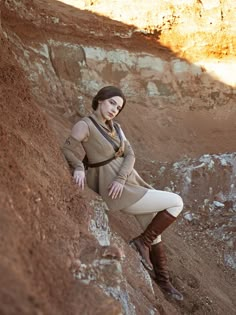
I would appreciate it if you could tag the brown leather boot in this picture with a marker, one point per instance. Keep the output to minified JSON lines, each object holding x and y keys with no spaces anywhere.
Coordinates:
{"x":159,"y":261}
{"x":143,"y":242}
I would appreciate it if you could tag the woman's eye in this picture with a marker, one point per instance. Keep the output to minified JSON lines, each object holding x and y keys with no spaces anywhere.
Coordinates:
{"x":112,"y":102}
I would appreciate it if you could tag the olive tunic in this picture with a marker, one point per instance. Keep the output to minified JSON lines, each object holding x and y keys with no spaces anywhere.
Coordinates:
{"x":99,"y":149}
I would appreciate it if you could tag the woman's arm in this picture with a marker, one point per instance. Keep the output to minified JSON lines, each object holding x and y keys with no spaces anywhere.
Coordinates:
{"x":127,"y":165}
{"x":79,"y":133}
{"x":116,"y":187}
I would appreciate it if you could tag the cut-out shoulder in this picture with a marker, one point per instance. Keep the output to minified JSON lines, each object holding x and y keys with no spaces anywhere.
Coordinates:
{"x":80,"y":131}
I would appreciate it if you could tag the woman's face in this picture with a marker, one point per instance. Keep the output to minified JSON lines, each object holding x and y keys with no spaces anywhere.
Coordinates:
{"x":110,"y":107}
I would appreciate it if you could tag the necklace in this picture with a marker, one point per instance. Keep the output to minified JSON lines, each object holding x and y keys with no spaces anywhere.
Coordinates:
{"x":109,"y":128}
{"x":112,"y":133}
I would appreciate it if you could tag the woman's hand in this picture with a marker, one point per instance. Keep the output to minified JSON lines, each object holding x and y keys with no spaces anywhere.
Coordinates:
{"x":115,"y":190}
{"x":79,"y":177}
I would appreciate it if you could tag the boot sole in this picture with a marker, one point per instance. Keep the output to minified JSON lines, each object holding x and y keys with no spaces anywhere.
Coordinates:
{"x":178,"y":297}
{"x":174,"y":296}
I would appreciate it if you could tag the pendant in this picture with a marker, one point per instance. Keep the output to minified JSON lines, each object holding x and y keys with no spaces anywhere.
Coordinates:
{"x":112,"y":134}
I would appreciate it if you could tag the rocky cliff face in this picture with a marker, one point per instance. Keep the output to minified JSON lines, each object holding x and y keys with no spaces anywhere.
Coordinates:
{"x":181,"y":98}
{"x":62,"y":252}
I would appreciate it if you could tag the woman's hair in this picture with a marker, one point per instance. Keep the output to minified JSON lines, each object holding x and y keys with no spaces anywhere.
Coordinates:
{"x":106,"y":93}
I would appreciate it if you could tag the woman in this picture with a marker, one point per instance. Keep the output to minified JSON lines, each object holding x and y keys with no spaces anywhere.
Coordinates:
{"x":110,"y":172}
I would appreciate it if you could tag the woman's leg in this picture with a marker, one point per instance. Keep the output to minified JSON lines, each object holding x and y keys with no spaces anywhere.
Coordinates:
{"x":144,"y":220}
{"x":152,"y":202}
{"x":155,"y":201}
{"x":155,"y":212}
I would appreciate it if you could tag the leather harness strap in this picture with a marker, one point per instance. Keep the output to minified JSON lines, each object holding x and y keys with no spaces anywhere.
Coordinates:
{"x":104,"y":133}
{"x":108,"y":138}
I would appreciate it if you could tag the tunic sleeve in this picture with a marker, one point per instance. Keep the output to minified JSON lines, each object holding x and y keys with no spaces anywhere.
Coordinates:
{"x":127,"y":164}
{"x":70,"y":152}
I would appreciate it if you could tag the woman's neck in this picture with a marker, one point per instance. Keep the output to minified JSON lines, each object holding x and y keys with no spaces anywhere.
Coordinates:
{"x":99,"y":117}
{"x":106,"y":123}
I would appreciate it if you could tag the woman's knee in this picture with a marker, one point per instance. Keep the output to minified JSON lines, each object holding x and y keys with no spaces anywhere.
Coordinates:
{"x":177,"y":205}
{"x":179,"y":201}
